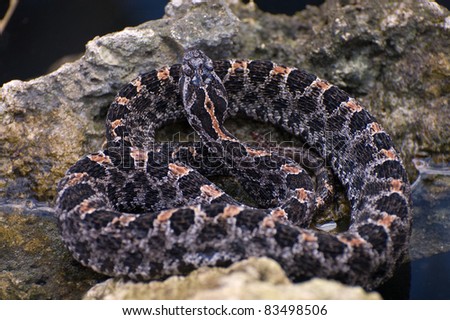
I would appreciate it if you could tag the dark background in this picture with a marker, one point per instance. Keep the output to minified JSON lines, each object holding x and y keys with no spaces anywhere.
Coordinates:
{"x":42,"y":31}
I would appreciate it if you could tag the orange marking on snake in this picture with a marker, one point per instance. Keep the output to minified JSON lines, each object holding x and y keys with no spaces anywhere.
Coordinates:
{"x":319,"y":201}
{"x":192,"y":151}
{"x":231,"y":211}
{"x":165,"y":215}
{"x":100,"y":158}
{"x":308,"y":237}
{"x":178,"y":170}
{"x":321,"y":84}
{"x":353,"y":241}
{"x":353,"y":105}
{"x":238,"y":65}
{"x":122,"y":100}
{"x":124,"y":219}
{"x":76,"y":178}
{"x":280,"y":70}
{"x":268,"y":222}
{"x":396,"y":185}
{"x":116,"y":123}
{"x":163,"y":73}
{"x":375,"y":128}
{"x":257,"y":153}
{"x":389,"y":154}
{"x":86,"y":208}
{"x":301,"y":194}
{"x":209,"y":107}
{"x":278,"y":214}
{"x":210,"y":191}
{"x":291,"y":169}
{"x":386,"y":220}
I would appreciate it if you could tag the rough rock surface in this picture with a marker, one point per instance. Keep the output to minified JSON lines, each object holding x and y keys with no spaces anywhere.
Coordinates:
{"x":392,"y":55}
{"x":254,"y":278}
{"x":34,"y":263}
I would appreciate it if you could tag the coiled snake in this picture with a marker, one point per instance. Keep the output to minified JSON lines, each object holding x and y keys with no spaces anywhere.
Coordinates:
{"x":144,"y":209}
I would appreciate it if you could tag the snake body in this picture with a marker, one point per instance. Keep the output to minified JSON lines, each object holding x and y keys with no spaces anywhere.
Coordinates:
{"x":145,"y":209}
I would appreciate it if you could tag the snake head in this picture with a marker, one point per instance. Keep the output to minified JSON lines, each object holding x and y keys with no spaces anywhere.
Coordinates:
{"x":204,"y":96}
{"x":198,"y":78}
{"x":197,"y":68}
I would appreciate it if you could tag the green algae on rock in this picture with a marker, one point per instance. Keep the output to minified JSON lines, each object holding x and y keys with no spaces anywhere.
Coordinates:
{"x":34,"y":263}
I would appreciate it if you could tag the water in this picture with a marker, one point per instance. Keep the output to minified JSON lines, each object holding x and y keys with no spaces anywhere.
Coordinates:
{"x":430,"y":243}
{"x":430,"y":277}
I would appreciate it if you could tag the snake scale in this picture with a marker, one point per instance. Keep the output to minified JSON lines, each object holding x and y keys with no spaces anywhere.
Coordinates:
{"x":144,"y":209}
